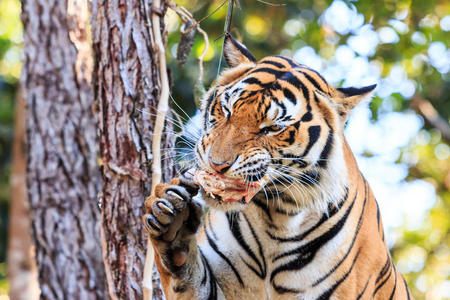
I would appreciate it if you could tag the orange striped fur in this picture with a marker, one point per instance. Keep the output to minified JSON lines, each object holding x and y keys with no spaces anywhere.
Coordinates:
{"x":313,"y":232}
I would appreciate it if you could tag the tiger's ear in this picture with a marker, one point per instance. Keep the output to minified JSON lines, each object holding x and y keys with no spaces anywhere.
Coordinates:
{"x":348,"y":98}
{"x":236,"y":53}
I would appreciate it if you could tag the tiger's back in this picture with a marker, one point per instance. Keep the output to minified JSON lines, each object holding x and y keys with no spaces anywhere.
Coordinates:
{"x":314,"y":231}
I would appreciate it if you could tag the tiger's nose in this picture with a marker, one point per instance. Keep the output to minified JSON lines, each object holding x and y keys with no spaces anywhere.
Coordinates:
{"x":219,"y":167}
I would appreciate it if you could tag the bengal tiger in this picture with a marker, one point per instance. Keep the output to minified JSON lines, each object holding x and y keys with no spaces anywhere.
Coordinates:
{"x":314,"y":230}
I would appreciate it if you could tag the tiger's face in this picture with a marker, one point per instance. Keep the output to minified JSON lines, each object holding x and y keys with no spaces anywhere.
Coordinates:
{"x":277,"y":123}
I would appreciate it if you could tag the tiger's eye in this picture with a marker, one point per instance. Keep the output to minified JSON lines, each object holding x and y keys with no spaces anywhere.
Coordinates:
{"x":273,"y":128}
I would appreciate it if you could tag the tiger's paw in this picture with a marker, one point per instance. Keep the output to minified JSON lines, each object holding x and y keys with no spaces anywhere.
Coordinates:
{"x":173,"y":219}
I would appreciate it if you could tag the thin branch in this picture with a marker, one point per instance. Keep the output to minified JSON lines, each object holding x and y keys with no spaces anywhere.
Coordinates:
{"x":271,"y":4}
{"x":424,"y":108}
{"x":229,"y":18}
{"x":187,"y":18}
{"x":163,"y":106}
{"x":183,"y":12}
{"x":202,"y":56}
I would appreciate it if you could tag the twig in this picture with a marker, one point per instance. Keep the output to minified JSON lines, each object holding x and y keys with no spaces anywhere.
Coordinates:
{"x":202,"y":56}
{"x":226,"y":29}
{"x":271,"y":4}
{"x":424,"y":108}
{"x":229,"y":18}
{"x":183,"y":12}
{"x":187,"y":17}
{"x":162,"y":108}
{"x":206,"y":17}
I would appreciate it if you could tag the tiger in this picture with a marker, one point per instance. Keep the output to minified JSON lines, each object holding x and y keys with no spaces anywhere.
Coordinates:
{"x":313,"y":231}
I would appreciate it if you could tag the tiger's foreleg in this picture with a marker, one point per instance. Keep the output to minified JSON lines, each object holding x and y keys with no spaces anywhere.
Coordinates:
{"x":172,"y":221}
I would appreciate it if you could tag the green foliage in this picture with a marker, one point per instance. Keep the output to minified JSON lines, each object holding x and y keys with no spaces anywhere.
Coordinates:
{"x":10,"y":65}
{"x":4,"y":286}
{"x":10,"y":40}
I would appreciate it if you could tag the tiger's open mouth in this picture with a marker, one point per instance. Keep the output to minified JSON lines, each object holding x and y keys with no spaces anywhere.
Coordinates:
{"x":227,"y":189}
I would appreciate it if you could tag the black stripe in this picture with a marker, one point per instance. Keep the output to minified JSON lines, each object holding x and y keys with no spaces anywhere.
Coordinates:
{"x":317,"y":73}
{"x":310,"y":178}
{"x":282,"y":106}
{"x":288,"y":60}
{"x":251,"y":94}
{"x":296,"y":159}
{"x":226,"y":259}
{"x":209,"y":227}
{"x":395,"y":285}
{"x":286,"y":213}
{"x":378,"y":216}
{"x":284,"y":290}
{"x":264,"y":208}
{"x":212,"y":279}
{"x":260,"y":248}
{"x":291,"y":139}
{"x":228,"y":111}
{"x":313,"y":81}
{"x":253,"y":80}
{"x":326,"y":150}
{"x":235,"y":228}
{"x":306,"y":253}
{"x":313,"y":133}
{"x":307,"y":117}
{"x":273,"y":63}
{"x":383,"y":282}
{"x":289,"y":95}
{"x":205,"y":275}
{"x":292,"y":79}
{"x":384,"y":270}
{"x":332,"y":210}
{"x":271,"y":71}
{"x":406,"y":288}
{"x":208,"y":104}
{"x":300,"y":162}
{"x":288,"y":200}
{"x":364,"y":289}
{"x":358,"y":227}
{"x":213,"y":108}
{"x":318,"y":242}
{"x":331,"y":290}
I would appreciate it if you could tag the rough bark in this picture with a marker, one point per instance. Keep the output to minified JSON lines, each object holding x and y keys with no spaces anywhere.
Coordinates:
{"x":22,"y":271}
{"x":62,"y":175}
{"x":127,"y":88}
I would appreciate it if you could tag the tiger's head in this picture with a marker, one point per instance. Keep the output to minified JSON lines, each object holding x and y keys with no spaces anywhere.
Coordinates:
{"x":277,"y":122}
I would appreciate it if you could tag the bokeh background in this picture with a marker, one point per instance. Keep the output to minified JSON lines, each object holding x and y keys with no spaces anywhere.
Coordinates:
{"x":403,"y":46}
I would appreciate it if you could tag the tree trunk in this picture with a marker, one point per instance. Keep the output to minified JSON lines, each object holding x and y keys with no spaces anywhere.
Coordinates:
{"x":127,"y":88}
{"x":22,"y":272}
{"x":63,"y":178}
